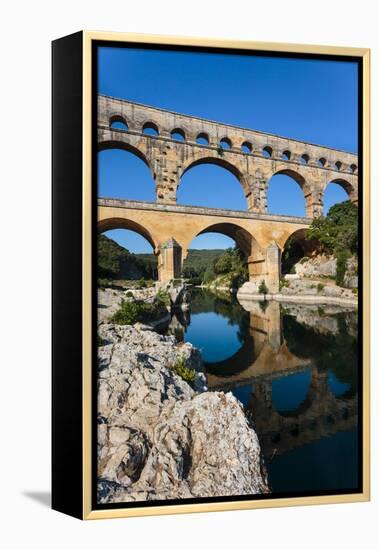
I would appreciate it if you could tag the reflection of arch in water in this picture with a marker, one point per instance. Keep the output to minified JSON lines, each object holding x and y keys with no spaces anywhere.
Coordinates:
{"x":287,"y":398}
{"x":235,"y":364}
{"x":321,"y":414}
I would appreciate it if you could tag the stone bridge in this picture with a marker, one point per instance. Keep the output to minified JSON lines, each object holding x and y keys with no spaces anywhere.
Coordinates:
{"x":170,"y":230}
{"x":176,"y":143}
{"x":182,"y":141}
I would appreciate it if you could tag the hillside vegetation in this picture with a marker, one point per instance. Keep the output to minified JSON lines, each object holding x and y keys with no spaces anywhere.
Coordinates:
{"x":116,"y":262}
{"x":337,"y":234}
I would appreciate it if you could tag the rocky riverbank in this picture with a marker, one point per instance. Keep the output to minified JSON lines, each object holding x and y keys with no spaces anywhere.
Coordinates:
{"x":161,"y":437}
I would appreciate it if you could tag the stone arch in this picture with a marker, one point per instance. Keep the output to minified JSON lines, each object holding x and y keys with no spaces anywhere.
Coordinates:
{"x":108,"y":224}
{"x":179,"y":132}
{"x":295,"y":247}
{"x":243,"y":239}
{"x":120,"y":144}
{"x":218,"y":161}
{"x":301,"y":181}
{"x":150,"y":125}
{"x":118,"y":118}
{"x":344,"y":183}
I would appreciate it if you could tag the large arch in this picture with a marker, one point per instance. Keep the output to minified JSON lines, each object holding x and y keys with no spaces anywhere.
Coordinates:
{"x":123,"y":170}
{"x":297,"y":178}
{"x":295,"y":247}
{"x":345,"y":185}
{"x":118,"y":144}
{"x":108,"y":224}
{"x":243,"y":239}
{"x":218,"y":161}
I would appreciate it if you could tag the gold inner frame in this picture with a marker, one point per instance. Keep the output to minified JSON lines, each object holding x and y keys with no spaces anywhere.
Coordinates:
{"x":364,"y":54}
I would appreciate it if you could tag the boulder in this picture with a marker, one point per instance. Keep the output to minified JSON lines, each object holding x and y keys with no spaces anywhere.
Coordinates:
{"x":158,"y":437}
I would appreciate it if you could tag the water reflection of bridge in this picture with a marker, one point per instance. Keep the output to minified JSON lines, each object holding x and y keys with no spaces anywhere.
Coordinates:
{"x":264,"y":357}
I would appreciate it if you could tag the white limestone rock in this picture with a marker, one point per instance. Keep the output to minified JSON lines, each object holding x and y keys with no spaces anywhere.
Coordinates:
{"x":160,"y":439}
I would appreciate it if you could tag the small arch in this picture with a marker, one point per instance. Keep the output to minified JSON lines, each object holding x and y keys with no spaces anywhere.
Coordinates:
{"x":225,"y":143}
{"x":118,"y":122}
{"x":267,"y":151}
{"x":338,"y":165}
{"x":246,"y":147}
{"x":304,"y":159}
{"x":321,"y":162}
{"x":202,"y":139}
{"x":286,"y":155}
{"x":150,"y":129}
{"x":178,"y":134}
{"x":353,"y":168}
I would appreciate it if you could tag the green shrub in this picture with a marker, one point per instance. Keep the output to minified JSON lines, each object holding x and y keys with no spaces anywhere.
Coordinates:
{"x":262,"y":289}
{"x":293,"y":270}
{"x":354,"y":290}
{"x":163,"y":297}
{"x":321,"y":311}
{"x":138,"y":311}
{"x":129,"y":294}
{"x":342,"y":257}
{"x":142,"y":283}
{"x":320,"y":287}
{"x":283,"y":283}
{"x":187,"y":374}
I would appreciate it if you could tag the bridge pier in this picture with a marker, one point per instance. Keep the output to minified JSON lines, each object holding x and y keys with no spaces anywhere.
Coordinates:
{"x":169,"y":260}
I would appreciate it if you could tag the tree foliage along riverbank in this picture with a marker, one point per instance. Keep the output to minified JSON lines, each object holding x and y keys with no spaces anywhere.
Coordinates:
{"x":337,"y":234}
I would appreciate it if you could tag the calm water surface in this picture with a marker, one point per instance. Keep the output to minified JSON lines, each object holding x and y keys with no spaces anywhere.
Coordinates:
{"x":294,"y":369}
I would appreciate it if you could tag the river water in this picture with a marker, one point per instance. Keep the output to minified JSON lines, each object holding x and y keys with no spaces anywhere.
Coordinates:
{"x":295,"y":370}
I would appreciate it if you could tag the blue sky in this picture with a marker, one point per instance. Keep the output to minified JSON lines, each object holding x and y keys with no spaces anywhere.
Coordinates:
{"x":314,"y":101}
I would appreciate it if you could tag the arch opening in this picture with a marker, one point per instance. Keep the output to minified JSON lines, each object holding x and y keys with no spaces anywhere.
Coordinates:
{"x":335,"y":192}
{"x":219,"y":251}
{"x":150,"y":129}
{"x":225,"y":143}
{"x":286,"y":155}
{"x":295,"y":249}
{"x":178,"y":134}
{"x":285,"y":194}
{"x":304,"y":159}
{"x":267,"y":151}
{"x":126,"y":252}
{"x":118,"y":122}
{"x":123,"y":173}
{"x":246,"y":147}
{"x":321,"y":162}
{"x":202,"y":139}
{"x":212,"y":183}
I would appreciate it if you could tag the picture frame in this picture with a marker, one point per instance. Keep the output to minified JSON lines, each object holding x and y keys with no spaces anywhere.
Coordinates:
{"x":78,"y":117}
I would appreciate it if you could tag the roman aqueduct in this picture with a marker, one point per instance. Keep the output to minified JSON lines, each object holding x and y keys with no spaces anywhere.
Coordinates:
{"x":175,"y":143}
